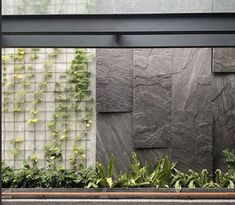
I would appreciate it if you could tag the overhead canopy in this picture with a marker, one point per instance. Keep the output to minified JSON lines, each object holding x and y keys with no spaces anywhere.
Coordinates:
{"x":119,"y":30}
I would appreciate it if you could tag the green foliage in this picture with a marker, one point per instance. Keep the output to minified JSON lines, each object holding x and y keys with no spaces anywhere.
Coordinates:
{"x":224,"y":180}
{"x":53,"y":150}
{"x":20,"y":54}
{"x":15,"y":142}
{"x":7,"y":175}
{"x":68,"y":99}
{"x":29,"y":176}
{"x":54,"y":53}
{"x":139,"y":175}
{"x":229,"y":156}
{"x":105,"y":177}
{"x":4,"y":58}
{"x":163,"y":174}
{"x":142,"y":176}
{"x":76,"y":90}
{"x":190,"y":179}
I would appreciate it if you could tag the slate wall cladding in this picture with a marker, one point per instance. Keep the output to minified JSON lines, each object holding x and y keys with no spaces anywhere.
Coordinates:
{"x":114,"y":137}
{"x":223,"y":60}
{"x":152,"y":98}
{"x":180,"y":108}
{"x":191,"y":80}
{"x":114,"y":80}
{"x":192,"y":139}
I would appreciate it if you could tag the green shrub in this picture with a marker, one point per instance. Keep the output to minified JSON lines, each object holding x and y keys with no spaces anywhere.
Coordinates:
{"x":105,"y":176}
{"x":7,"y":175}
{"x":229,"y":156}
{"x":163,"y":174}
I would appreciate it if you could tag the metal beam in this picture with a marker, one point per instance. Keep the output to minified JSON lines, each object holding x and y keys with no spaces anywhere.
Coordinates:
{"x":124,"y":41}
{"x":120,"y":23}
{"x":120,"y":30}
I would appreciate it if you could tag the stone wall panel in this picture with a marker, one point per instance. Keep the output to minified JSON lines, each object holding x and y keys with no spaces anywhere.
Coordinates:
{"x":114,"y":80}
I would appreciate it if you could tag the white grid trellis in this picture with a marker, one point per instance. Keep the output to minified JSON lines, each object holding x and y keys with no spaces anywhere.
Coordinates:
{"x":34,"y":137}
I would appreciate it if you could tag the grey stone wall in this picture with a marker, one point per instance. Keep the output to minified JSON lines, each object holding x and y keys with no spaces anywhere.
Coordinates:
{"x":179,"y":102}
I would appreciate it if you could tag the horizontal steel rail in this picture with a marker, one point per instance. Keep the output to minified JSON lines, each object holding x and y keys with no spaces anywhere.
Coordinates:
{"x":120,"y":30}
{"x":203,"y":23}
{"x":125,"y":41}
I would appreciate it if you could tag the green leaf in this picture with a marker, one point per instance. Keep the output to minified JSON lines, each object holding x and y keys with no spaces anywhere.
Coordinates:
{"x":178,"y":186}
{"x":110,"y":182}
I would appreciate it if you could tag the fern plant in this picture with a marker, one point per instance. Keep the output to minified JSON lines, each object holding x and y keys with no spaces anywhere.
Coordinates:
{"x":163,"y":172}
{"x":224,"y":180}
{"x":105,"y":175}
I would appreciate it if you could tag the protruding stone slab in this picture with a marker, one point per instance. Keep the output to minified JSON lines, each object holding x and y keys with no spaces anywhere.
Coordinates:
{"x":114,"y":80}
{"x":191,"y":80}
{"x":192,"y":140}
{"x":152,"y":98}
{"x":223,"y":59}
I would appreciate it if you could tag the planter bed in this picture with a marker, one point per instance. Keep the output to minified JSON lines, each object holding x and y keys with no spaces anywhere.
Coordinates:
{"x":116,"y":193}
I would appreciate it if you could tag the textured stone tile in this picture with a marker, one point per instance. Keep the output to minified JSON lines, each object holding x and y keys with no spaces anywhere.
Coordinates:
{"x":114,"y":137}
{"x":223,"y":5}
{"x":191,"y":80}
{"x":151,"y":62}
{"x":152,"y":98}
{"x":192,"y":139}
{"x":151,"y":155}
{"x":224,"y":116}
{"x":223,"y":59}
{"x":114,"y":80}
{"x":162,"y":6}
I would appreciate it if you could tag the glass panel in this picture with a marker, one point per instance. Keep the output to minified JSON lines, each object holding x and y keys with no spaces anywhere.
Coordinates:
{"x":155,"y":6}
{"x":48,"y":106}
{"x":224,"y":6}
{"x":48,"y":6}
{"x":115,"y":6}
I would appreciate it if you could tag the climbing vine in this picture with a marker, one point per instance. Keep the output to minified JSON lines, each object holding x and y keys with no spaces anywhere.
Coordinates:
{"x":77,"y":91}
{"x":79,"y":78}
{"x":42,"y":87}
{"x":71,"y":98}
